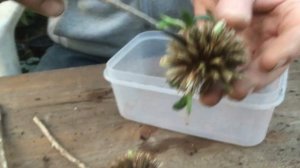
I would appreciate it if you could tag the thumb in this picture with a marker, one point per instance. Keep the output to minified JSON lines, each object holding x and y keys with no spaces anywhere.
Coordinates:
{"x":237,"y":13}
{"x":281,"y":50}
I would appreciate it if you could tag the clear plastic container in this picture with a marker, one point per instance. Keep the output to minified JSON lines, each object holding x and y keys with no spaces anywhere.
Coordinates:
{"x":143,"y":95}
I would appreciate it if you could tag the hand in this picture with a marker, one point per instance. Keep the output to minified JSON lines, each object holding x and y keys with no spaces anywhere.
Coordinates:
{"x":271,"y":29}
{"x":45,"y":7}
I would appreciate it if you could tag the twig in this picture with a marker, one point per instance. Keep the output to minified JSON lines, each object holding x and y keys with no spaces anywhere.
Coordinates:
{"x":145,"y":17}
{"x":56,"y":145}
{"x":132,"y":10}
{"x":3,"y":160}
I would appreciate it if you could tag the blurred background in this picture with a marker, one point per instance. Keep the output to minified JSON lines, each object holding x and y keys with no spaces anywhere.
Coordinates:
{"x":31,"y":39}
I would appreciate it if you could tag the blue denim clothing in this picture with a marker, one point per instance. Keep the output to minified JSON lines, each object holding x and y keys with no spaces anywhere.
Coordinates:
{"x":91,"y":31}
{"x":97,"y":28}
{"x":58,"y":57}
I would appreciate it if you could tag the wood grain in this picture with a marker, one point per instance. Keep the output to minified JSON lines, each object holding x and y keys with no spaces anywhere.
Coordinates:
{"x":78,"y":107}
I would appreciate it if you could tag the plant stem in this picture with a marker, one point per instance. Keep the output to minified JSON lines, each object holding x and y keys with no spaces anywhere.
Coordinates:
{"x":133,"y":11}
{"x":145,"y":17}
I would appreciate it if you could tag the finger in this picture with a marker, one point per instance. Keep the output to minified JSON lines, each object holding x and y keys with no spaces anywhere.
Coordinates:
{"x":45,"y":7}
{"x":254,"y":80}
{"x":245,"y":86}
{"x":269,"y":77}
{"x":241,"y":89}
{"x":201,"y":6}
{"x":212,"y":96}
{"x":279,"y":51}
{"x":266,"y":5}
{"x":237,"y":13}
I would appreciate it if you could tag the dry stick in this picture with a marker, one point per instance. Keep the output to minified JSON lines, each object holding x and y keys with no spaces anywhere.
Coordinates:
{"x":145,"y":17}
{"x":56,"y":145}
{"x":3,"y":160}
{"x":132,"y":10}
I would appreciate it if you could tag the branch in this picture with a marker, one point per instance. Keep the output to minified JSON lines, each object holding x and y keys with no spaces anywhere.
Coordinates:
{"x":56,"y":145}
{"x":145,"y":17}
{"x":133,"y":11}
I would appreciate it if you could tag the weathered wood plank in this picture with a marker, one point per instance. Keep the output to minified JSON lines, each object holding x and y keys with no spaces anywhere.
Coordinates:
{"x":79,"y":109}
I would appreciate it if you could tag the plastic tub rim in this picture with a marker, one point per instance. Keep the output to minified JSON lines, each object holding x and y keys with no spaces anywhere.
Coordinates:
{"x":275,"y":103}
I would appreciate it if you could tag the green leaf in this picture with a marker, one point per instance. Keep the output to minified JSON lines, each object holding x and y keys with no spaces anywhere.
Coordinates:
{"x":189,"y":103}
{"x":162,"y":25}
{"x":219,"y":27}
{"x":185,"y":102}
{"x":188,"y":18}
{"x":27,"y":17}
{"x":167,"y":22}
{"x":181,"y":103}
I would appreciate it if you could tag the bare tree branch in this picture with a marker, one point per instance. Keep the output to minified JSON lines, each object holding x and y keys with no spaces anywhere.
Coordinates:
{"x":56,"y":145}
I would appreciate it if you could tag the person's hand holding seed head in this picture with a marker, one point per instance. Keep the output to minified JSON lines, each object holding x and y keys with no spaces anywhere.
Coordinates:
{"x":271,"y":29}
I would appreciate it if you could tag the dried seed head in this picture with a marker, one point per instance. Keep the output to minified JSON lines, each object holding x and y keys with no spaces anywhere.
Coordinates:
{"x":137,"y":160}
{"x":212,"y":55}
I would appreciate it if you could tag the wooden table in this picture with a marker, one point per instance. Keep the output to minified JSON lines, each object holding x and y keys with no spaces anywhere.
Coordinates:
{"x":78,"y":107}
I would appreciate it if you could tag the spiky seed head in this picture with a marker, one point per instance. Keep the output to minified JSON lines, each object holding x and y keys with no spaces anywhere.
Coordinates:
{"x":212,"y":55}
{"x":137,"y":160}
